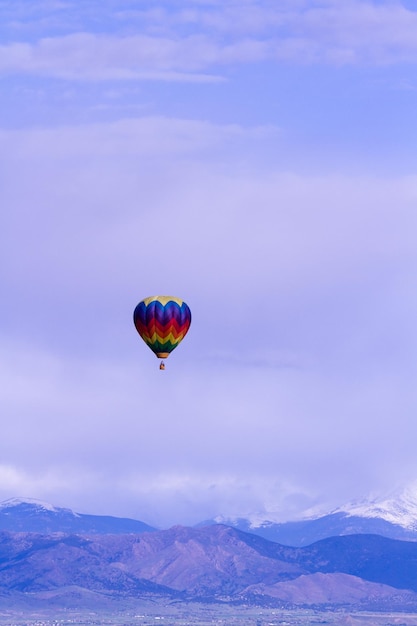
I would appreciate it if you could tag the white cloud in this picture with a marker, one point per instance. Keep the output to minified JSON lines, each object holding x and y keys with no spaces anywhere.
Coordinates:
{"x":362,"y":32}
{"x":354,"y":33}
{"x":84,"y":56}
{"x":138,"y":137}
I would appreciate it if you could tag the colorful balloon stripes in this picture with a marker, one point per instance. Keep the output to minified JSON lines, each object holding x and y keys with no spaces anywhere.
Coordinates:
{"x":162,"y":322}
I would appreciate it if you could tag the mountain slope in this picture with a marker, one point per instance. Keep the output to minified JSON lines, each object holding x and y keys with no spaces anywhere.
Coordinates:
{"x":330,"y":590}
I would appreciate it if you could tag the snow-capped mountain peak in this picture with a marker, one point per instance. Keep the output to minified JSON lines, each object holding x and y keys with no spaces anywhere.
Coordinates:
{"x":29,"y":515}
{"x":32,"y":503}
{"x":398,"y":507}
{"x":11,"y":502}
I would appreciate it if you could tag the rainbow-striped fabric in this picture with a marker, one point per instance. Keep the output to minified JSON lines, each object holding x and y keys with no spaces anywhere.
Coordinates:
{"x":162,"y":322}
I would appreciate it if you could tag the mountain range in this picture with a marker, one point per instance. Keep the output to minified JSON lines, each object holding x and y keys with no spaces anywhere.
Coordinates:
{"x":394,"y":517}
{"x":349,"y":558}
{"x":211,"y":564}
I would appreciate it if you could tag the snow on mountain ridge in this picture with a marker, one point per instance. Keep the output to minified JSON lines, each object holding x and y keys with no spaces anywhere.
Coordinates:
{"x":36,"y":504}
{"x":398,"y":508}
{"x":269,"y":518}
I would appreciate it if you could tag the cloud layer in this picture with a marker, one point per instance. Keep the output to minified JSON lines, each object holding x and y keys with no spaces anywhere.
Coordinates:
{"x":199,"y":42}
{"x":295,"y":381}
{"x":265,"y":172}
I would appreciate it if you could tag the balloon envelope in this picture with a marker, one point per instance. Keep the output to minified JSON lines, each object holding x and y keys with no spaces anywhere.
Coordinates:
{"x":162,"y":322}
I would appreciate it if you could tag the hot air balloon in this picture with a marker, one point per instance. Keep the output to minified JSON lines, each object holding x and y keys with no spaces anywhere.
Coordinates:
{"x":162,"y":322}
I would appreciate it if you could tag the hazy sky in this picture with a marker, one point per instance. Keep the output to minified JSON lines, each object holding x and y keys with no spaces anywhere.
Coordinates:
{"x":256,"y":158}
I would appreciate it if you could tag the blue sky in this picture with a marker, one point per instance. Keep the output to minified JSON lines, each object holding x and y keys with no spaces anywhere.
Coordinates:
{"x":256,"y":159}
